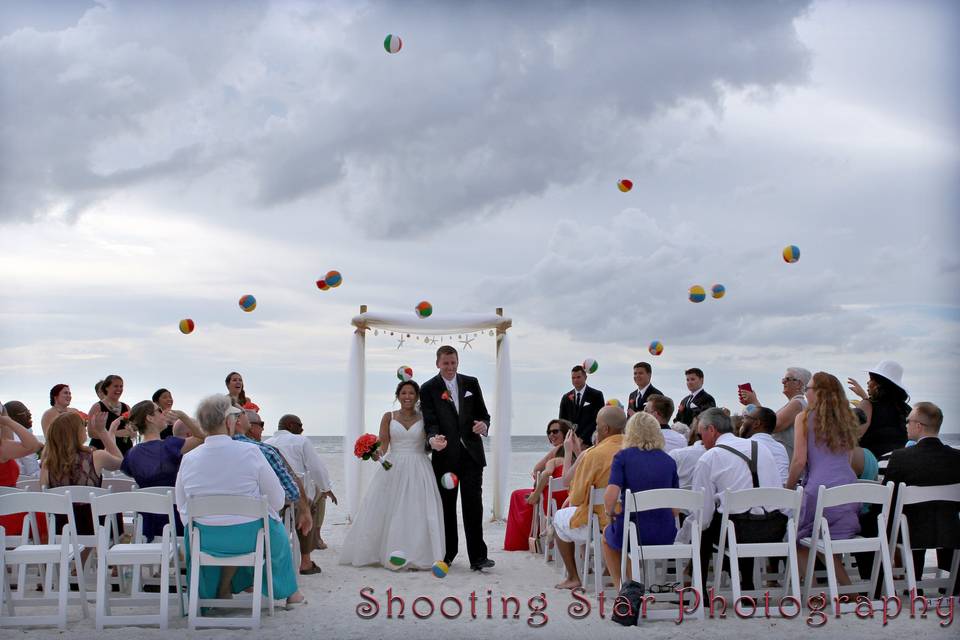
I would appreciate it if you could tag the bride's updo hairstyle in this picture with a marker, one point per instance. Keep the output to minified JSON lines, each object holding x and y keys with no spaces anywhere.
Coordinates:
{"x":405,"y":383}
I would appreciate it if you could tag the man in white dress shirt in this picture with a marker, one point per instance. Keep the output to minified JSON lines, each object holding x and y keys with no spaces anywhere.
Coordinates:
{"x":304,"y":460}
{"x":759,"y":424}
{"x":661,"y":408}
{"x":735,"y":464}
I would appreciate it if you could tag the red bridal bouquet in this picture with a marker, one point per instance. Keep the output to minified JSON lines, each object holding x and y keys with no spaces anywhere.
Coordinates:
{"x":366,"y":446}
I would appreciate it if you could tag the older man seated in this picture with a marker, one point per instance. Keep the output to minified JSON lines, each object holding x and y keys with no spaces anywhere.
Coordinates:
{"x":223,"y":466}
{"x":593,"y":471}
{"x":736,"y":464}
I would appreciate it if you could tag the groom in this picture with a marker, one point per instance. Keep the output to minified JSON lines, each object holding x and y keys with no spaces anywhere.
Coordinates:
{"x":454,"y":418}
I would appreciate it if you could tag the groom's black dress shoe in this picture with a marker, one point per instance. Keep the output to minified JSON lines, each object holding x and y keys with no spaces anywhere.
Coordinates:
{"x":483,"y":564}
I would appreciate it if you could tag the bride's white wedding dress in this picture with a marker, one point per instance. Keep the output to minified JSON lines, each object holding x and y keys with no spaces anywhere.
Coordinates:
{"x":401,"y":510}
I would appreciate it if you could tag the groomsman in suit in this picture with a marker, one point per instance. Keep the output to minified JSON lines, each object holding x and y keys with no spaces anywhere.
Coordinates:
{"x":454,"y":419}
{"x":642,"y":372}
{"x":580,"y":405}
{"x":697,"y":401}
{"x":929,"y":463}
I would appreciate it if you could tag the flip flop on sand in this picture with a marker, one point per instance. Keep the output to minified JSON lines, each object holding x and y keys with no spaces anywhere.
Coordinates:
{"x":311,"y":570}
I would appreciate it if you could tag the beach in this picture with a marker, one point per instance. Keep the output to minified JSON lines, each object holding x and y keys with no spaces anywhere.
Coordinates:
{"x":335,"y":600}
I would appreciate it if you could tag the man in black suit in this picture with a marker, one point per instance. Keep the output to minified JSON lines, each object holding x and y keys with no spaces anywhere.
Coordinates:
{"x":581,"y":405}
{"x":455,"y":418}
{"x":642,"y":372}
{"x":698,"y":400}
{"x":933,"y":525}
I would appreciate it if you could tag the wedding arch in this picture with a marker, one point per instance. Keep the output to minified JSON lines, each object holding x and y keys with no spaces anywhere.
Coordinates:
{"x":500,"y":427}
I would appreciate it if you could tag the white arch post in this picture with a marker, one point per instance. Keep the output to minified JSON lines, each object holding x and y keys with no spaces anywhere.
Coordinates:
{"x":500,"y":428}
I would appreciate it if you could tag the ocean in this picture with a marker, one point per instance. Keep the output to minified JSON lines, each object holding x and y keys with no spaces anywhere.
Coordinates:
{"x":522,"y":444}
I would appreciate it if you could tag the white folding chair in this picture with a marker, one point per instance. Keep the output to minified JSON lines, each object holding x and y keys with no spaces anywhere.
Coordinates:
{"x":139,"y":580}
{"x":592,"y":552}
{"x":634,"y":553}
{"x":59,"y":553}
{"x":5,"y":490}
{"x":784,"y":500}
{"x":163,"y":553}
{"x":198,"y":507}
{"x":78,"y":494}
{"x":820,"y":542}
{"x":554,"y":485}
{"x":30,"y":484}
{"x":900,"y":539}
{"x":117,"y":485}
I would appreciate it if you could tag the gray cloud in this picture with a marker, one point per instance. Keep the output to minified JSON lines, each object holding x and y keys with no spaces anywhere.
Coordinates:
{"x":296,"y":100}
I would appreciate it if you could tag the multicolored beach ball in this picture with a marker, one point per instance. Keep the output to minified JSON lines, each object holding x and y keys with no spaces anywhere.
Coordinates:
{"x":405,"y":373}
{"x":392,"y":43}
{"x":590,"y":365}
{"x":449,"y":480}
{"x":424,"y":309}
{"x":625,"y":185}
{"x":791,"y":253}
{"x":398,"y":559}
{"x":718,"y":291}
{"x":613,"y":402}
{"x":655,"y":348}
{"x":333,"y":278}
{"x":322,"y":285}
{"x":187,"y":325}
{"x":697,"y":294}
{"x":248,"y":303}
{"x":440,"y":569}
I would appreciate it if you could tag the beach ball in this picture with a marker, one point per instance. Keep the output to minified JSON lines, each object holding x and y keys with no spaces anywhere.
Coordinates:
{"x":424,"y":309}
{"x":590,"y":365}
{"x":398,"y":559}
{"x":405,"y":373}
{"x":322,"y":285}
{"x":655,"y":348}
{"x":697,"y":294}
{"x":392,"y":43}
{"x":440,"y":569}
{"x":718,"y":291}
{"x":791,"y":253}
{"x":625,"y":185}
{"x":248,"y":303}
{"x":187,"y":325}
{"x":613,"y":402}
{"x":333,"y":278}
{"x":449,"y":480}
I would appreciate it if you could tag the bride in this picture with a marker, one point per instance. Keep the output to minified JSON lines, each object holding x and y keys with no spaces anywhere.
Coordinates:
{"x":401,"y":511}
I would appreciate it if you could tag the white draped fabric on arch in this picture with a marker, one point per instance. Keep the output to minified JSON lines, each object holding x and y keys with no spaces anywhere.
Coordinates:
{"x":500,"y":427}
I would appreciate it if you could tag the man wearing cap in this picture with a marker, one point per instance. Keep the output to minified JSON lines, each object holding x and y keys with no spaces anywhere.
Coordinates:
{"x":303,"y":459}
{"x":794,"y":382}
{"x":885,"y":405}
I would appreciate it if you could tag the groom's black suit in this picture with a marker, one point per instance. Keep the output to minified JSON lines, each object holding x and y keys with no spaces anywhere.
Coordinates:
{"x":463,"y":456}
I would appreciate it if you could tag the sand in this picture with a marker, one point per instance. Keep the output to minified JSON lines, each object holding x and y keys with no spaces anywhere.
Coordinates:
{"x":335,"y":595}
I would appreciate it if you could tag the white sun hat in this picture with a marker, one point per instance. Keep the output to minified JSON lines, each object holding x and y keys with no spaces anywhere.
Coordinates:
{"x":892,"y":371}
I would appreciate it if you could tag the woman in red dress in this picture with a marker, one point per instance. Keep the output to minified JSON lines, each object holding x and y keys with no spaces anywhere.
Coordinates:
{"x":523,"y":501}
{"x":10,"y":450}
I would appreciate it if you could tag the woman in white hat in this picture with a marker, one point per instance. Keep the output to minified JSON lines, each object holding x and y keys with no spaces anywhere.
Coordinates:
{"x":885,"y":404}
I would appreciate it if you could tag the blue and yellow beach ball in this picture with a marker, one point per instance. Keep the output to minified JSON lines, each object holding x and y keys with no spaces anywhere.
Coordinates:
{"x":791,"y":253}
{"x":697,"y":294}
{"x":718,"y":291}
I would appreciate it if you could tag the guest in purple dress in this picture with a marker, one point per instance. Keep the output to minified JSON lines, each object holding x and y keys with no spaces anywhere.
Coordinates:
{"x":155,"y":461}
{"x":640,"y":465}
{"x":825,"y":434}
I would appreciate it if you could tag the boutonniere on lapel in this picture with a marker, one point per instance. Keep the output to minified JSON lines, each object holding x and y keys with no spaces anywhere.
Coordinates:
{"x":446,"y":396}
{"x":570,"y":397}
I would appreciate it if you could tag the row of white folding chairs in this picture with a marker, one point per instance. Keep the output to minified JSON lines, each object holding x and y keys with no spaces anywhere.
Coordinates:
{"x":915,"y":578}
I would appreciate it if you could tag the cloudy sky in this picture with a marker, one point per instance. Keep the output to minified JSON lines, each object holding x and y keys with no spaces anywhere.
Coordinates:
{"x":160,"y":159}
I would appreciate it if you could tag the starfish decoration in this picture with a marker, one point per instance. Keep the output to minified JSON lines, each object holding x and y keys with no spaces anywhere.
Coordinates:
{"x":430,"y":340}
{"x":400,"y":342}
{"x":466,"y":343}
